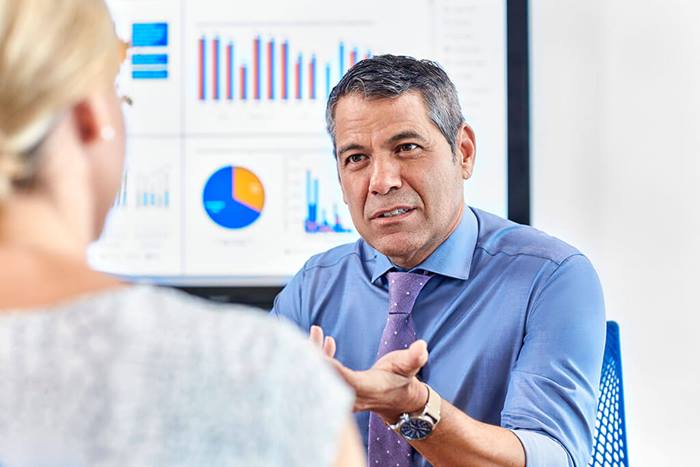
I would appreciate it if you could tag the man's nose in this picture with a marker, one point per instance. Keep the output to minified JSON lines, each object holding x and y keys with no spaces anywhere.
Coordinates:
{"x":386,"y":176}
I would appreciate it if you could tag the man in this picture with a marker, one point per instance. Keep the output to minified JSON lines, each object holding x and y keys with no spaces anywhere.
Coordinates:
{"x":513,"y":319}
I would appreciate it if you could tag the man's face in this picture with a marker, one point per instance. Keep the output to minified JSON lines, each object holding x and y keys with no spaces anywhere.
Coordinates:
{"x":399,"y":177}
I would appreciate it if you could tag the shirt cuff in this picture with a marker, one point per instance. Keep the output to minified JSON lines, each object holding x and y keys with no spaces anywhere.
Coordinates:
{"x":542,"y":451}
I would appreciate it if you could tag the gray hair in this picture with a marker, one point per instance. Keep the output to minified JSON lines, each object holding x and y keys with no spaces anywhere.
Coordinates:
{"x":389,"y":76}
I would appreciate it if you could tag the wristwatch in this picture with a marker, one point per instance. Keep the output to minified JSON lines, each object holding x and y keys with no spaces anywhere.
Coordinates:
{"x":416,"y":427}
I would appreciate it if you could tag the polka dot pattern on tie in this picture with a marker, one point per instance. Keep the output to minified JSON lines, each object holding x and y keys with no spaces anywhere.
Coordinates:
{"x":387,"y":448}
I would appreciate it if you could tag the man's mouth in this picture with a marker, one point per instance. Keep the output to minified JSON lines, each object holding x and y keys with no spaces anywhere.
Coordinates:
{"x":393,"y":213}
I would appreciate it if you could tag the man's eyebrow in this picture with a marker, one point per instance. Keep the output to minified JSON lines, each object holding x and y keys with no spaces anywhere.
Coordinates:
{"x":408,"y":134}
{"x":350,"y":147}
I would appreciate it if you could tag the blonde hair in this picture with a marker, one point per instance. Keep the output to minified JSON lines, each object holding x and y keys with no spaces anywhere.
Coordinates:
{"x":52,"y":54}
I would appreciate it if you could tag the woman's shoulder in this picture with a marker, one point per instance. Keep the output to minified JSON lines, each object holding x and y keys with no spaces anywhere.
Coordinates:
{"x":166,"y":313}
{"x":163,"y":357}
{"x":161,"y":318}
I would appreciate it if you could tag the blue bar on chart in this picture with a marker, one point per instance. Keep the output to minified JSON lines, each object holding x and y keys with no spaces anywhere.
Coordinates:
{"x":149,"y":59}
{"x":149,"y":74}
{"x":298,"y":74}
{"x":215,"y":76}
{"x":256,"y":68}
{"x":271,"y":69}
{"x":285,"y":70}
{"x":229,"y":71}
{"x":313,"y":223}
{"x":120,"y":199}
{"x":149,"y":35}
{"x":244,"y":82}
{"x":202,"y":69}
{"x":312,"y":77}
{"x":125,"y":184}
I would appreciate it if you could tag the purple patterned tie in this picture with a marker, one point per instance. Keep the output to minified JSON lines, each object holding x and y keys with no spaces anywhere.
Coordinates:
{"x":386,"y":448}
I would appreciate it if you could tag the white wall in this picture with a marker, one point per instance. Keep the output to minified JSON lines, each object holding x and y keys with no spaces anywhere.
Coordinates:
{"x":616,"y":172}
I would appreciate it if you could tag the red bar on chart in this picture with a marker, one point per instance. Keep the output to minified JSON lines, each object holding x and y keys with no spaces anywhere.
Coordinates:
{"x":285,"y":70}
{"x":202,"y":69}
{"x":297,"y":69}
{"x":229,"y":71}
{"x":271,"y":69}
{"x":215,"y":71}
{"x":256,"y":68}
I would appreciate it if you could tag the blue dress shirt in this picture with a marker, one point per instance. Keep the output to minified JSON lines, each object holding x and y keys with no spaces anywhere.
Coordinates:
{"x":514,"y":320}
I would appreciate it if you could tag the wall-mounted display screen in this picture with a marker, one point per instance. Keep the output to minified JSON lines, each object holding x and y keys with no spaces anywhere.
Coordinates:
{"x":230,"y":177}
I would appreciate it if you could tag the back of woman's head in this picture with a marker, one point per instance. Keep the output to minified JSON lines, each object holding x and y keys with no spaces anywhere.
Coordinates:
{"x":52,"y":54}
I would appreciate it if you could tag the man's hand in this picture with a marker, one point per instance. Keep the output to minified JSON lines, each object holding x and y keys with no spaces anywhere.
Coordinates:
{"x":390,"y":387}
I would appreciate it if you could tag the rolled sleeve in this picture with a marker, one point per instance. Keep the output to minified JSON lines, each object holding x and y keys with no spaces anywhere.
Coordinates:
{"x":554,"y":384}
{"x":542,"y":451}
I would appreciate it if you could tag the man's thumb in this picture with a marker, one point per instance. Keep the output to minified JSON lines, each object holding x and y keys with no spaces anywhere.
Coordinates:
{"x":409,"y":362}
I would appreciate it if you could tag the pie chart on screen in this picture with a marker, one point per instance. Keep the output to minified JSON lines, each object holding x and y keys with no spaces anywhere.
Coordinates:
{"x":233,"y":197}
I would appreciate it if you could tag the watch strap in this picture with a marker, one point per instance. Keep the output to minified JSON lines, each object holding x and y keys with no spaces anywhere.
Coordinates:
{"x":432,"y":407}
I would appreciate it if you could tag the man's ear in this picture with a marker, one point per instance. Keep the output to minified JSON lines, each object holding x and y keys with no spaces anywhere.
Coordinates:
{"x":86,"y":121}
{"x":466,"y":150}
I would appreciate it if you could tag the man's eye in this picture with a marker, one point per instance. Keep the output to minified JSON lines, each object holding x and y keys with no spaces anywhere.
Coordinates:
{"x":407,"y":147}
{"x":355,"y":158}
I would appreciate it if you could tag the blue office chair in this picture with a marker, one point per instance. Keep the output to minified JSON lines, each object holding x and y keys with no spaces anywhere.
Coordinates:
{"x":610,"y":440}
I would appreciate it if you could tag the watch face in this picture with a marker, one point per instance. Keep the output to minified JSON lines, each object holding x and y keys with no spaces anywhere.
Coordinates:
{"x":416,"y":428}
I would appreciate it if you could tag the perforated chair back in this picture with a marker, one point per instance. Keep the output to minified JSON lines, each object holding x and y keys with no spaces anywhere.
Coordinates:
{"x":610,"y":440}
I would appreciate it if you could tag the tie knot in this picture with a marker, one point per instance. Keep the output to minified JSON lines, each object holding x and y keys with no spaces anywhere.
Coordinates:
{"x":404,"y":288}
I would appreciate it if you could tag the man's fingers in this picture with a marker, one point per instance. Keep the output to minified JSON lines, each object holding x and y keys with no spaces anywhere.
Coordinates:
{"x":329,"y":347}
{"x":316,"y":336}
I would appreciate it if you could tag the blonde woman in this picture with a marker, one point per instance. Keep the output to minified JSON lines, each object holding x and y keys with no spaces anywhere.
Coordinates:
{"x":97,"y":373}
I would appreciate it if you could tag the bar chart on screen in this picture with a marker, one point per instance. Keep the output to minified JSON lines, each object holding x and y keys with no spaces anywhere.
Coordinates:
{"x":318,"y":219}
{"x":315,"y":210}
{"x":268,"y":70}
{"x":149,"y":190}
{"x":242,"y":75}
{"x":143,"y":227}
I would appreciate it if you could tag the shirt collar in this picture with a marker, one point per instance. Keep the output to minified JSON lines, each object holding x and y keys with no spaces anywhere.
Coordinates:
{"x":453,"y":258}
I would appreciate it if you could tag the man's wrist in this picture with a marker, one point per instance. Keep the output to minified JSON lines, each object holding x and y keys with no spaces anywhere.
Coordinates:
{"x":417,"y":395}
